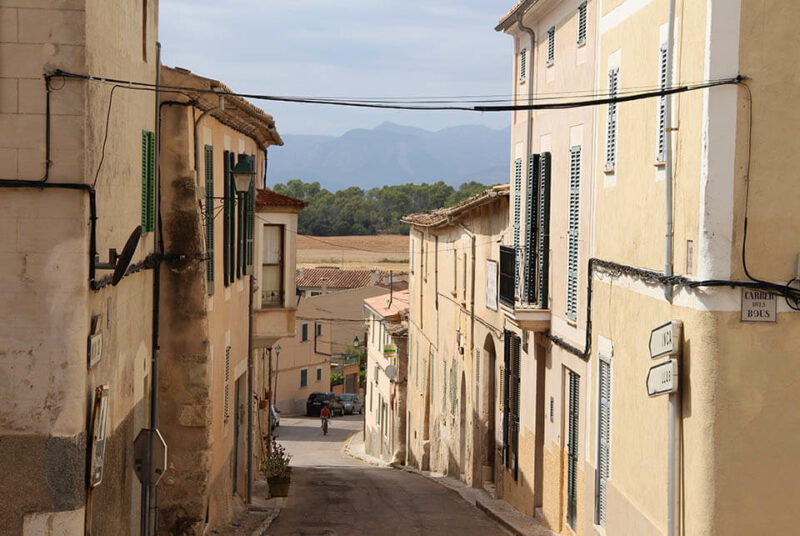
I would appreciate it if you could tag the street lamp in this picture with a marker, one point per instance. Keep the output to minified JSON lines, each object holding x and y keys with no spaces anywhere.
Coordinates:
{"x":243,"y":172}
{"x":356,"y":342}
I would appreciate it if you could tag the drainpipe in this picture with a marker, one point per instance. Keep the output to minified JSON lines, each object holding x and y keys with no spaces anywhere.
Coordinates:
{"x":529,"y":82}
{"x":250,"y":396}
{"x":197,"y":137}
{"x":151,"y":513}
{"x":675,"y":399}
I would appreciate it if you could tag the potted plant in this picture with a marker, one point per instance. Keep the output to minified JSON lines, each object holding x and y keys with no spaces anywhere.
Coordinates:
{"x":276,"y":468}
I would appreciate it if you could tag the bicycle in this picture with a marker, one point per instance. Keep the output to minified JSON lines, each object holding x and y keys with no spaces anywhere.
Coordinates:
{"x":325,"y":425}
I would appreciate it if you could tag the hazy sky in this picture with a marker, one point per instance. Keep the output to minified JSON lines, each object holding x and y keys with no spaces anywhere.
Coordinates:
{"x":346,"y":48}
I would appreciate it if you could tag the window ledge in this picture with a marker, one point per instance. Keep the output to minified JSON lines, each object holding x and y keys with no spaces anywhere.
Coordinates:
{"x":581,"y":43}
{"x":610,"y":170}
{"x":550,"y":63}
{"x":659,"y":164}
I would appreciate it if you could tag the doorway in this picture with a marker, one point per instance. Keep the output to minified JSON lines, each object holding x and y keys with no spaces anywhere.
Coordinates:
{"x":239,"y":429}
{"x":490,"y":416}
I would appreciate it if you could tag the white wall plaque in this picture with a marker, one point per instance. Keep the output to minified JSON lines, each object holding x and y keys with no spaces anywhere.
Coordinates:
{"x":491,"y":285}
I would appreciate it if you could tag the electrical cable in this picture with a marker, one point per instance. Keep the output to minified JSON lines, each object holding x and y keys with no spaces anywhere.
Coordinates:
{"x":393,"y":106}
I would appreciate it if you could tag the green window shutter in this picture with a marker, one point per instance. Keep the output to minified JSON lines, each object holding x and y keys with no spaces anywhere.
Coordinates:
{"x":543,"y":233}
{"x":303,"y":377}
{"x":148,"y":180}
{"x":231,"y":219}
{"x":241,"y":199}
{"x":603,"y":440}
{"x":531,"y":227}
{"x":517,"y":218}
{"x":515,"y":387}
{"x":611,"y":123}
{"x":582,"y":23}
{"x":226,"y":404}
{"x":523,"y":56}
{"x":572,"y":449}
{"x":551,"y":44}
{"x":209,"y":217}
{"x":251,"y":224}
{"x":505,"y":373}
{"x":573,"y":232}
{"x":226,"y":223}
{"x":662,"y":106}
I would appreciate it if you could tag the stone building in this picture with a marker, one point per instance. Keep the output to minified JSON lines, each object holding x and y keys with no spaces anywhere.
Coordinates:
{"x":386,"y":376}
{"x":75,"y":348}
{"x":690,"y":225}
{"x":212,"y":345}
{"x":455,"y":340}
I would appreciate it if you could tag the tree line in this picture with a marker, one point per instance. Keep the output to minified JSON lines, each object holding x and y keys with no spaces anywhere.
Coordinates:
{"x":354,"y":211}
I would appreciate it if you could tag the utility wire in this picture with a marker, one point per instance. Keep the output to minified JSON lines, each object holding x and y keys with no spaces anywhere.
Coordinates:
{"x":395,"y":106}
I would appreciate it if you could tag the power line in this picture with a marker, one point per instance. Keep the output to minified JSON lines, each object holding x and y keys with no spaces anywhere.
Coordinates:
{"x":593,"y":101}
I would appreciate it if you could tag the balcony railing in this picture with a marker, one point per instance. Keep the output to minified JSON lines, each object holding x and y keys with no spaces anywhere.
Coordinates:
{"x":528,"y":267}
{"x":271,"y":298}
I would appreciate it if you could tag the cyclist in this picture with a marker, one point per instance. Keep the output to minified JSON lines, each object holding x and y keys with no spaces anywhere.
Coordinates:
{"x":325,"y":415}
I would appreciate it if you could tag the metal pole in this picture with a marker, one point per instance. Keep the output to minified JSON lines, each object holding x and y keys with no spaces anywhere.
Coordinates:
{"x":250,"y":393}
{"x":673,"y":452}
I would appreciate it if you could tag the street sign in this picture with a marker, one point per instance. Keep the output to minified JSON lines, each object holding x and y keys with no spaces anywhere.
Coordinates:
{"x":665,"y":340}
{"x":159,"y":461}
{"x":759,"y":306}
{"x":99,"y":424}
{"x":662,"y":379}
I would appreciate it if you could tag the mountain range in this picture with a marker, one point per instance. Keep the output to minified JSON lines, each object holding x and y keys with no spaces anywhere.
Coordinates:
{"x":393,"y":154}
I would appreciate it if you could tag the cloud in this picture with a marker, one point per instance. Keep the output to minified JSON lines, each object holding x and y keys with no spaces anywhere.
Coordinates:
{"x":347,"y":48}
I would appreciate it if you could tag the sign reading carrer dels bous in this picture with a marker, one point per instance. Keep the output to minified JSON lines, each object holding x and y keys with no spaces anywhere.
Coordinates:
{"x":759,"y":306}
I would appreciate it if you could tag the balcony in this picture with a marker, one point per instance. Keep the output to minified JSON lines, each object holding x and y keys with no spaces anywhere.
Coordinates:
{"x":524,"y":286}
{"x":271,"y":298}
{"x":271,"y":324}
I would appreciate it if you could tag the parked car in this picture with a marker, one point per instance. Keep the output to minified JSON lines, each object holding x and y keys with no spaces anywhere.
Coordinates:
{"x":317,"y":400}
{"x":275,"y":416}
{"x":352,"y":403}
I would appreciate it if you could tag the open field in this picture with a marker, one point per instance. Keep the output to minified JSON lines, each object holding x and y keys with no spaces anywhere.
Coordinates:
{"x":385,"y":252}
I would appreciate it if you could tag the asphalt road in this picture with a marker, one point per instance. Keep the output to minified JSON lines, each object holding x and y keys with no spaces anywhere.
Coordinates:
{"x":335,"y":495}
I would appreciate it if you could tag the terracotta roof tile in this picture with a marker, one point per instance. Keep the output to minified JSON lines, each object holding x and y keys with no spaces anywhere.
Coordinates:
{"x":312,"y":278}
{"x":443,"y":215}
{"x":269,"y":198}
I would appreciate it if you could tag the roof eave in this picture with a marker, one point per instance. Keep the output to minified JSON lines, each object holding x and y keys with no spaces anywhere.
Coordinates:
{"x":510,"y":18}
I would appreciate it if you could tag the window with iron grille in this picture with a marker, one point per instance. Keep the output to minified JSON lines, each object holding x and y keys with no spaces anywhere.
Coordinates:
{"x":551,"y":45}
{"x":303,"y":377}
{"x":573,"y":232}
{"x":522,"y":64}
{"x":662,"y":106}
{"x":517,"y":217}
{"x":148,"y":181}
{"x":611,"y":122}
{"x":582,"y":23}
{"x":319,"y":374}
{"x":603,"y":439}
{"x":572,"y":449}
{"x":209,"y":217}
{"x":226,"y":407}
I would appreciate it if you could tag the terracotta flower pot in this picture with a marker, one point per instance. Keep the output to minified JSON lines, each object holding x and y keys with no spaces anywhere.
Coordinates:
{"x":279,"y":485}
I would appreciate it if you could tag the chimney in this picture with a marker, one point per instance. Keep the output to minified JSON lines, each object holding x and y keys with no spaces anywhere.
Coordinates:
{"x":375,"y":277}
{"x":302,"y":271}
{"x":324,"y":281}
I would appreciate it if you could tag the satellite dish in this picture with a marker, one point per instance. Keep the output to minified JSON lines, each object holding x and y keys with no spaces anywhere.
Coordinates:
{"x":125,"y":257}
{"x":391,"y":372}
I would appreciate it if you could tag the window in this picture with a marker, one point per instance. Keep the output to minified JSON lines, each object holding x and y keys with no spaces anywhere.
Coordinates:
{"x":319,"y":374}
{"x":454,"y":247}
{"x":511,"y":396}
{"x":464,"y":276}
{"x":537,"y":240}
{"x":444,"y":386}
{"x":209,"y":217}
{"x":522,"y":64}
{"x":453,"y":387}
{"x":319,"y":329}
{"x":551,"y":45}
{"x":507,"y":274}
{"x":572,"y":449}
{"x":272,"y":294}
{"x":303,"y":377}
{"x":226,"y":410}
{"x":517,"y":222}
{"x":531,"y":189}
{"x":304,"y":332}
{"x":603,"y":439}
{"x":316,"y":293}
{"x":573,"y":231}
{"x":582,"y":23}
{"x":611,"y":124}
{"x":662,"y":106}
{"x":148,"y":180}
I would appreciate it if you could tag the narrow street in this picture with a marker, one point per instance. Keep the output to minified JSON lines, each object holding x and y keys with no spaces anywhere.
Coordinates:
{"x":333,"y":494}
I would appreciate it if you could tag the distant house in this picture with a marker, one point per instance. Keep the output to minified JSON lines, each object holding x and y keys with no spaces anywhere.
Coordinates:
{"x":386,"y":372}
{"x":316,"y":281}
{"x":323,"y":342}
